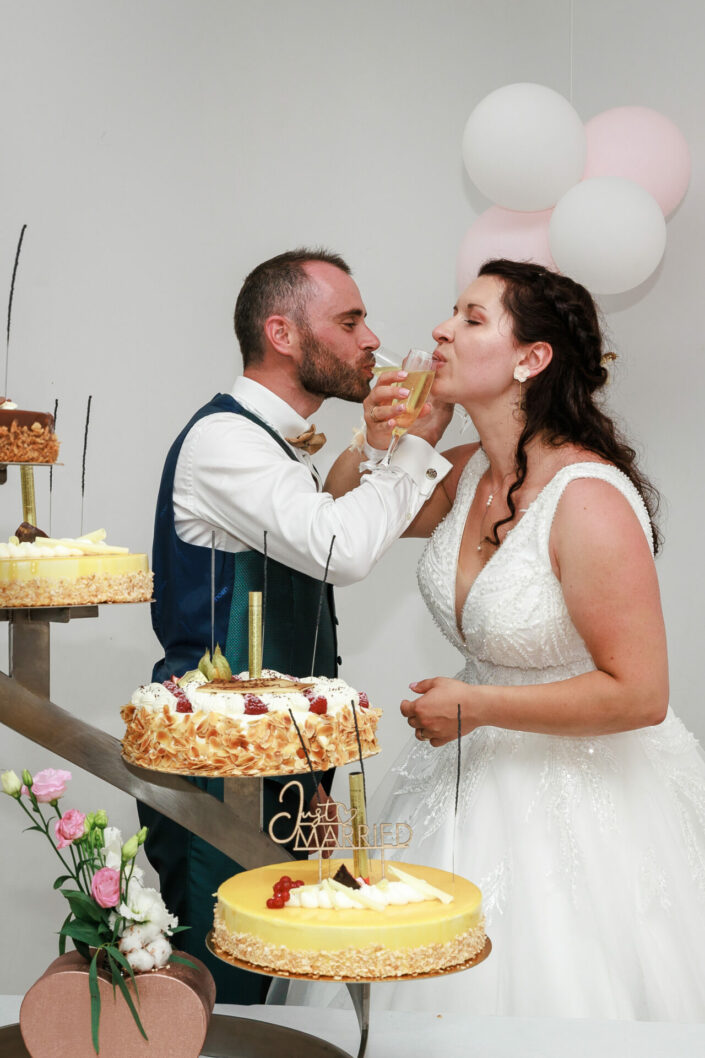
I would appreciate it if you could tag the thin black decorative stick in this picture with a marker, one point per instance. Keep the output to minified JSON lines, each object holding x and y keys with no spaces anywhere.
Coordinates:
{"x":457,"y":788}
{"x":212,"y":592}
{"x":51,"y":468}
{"x":359,"y":753}
{"x":320,"y":604}
{"x":315,"y":783}
{"x":83,"y":469}
{"x":264,"y":594}
{"x":9,"y":304}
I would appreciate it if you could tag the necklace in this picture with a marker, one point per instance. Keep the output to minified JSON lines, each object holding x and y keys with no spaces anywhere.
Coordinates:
{"x":487,"y":506}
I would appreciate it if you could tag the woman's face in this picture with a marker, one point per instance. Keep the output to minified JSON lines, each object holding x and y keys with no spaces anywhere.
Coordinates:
{"x":476,"y":352}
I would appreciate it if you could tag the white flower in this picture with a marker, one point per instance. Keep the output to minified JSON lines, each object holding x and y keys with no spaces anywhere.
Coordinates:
{"x":160,"y":949}
{"x":146,"y":906}
{"x":140,"y":960}
{"x":112,"y":853}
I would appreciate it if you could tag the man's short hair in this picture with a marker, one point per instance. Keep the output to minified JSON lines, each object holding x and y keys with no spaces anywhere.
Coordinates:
{"x":278,"y":287}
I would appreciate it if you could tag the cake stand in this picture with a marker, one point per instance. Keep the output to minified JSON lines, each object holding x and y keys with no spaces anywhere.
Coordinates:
{"x":234,"y":825}
{"x":358,"y":987}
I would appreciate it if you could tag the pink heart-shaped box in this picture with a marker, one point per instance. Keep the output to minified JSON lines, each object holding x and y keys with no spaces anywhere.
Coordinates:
{"x":175,"y":1005}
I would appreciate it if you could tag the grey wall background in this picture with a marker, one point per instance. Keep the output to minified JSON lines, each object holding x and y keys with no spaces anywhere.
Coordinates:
{"x":158,"y":150}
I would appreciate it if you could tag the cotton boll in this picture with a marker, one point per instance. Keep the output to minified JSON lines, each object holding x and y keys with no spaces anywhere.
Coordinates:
{"x":160,"y":950}
{"x":140,"y":960}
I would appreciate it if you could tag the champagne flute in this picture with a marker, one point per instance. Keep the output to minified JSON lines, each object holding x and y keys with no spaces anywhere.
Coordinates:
{"x":420,"y":370}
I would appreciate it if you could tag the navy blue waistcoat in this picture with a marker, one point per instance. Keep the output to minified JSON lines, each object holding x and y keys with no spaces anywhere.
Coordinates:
{"x":181,"y":613}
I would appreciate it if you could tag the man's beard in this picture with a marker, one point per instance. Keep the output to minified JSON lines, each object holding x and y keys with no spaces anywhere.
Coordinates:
{"x":322,"y":374}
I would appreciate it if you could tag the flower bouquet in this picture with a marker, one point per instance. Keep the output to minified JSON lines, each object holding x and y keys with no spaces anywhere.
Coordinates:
{"x":114,"y":921}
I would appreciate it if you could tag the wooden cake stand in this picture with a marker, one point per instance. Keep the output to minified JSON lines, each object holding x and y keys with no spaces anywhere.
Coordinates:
{"x":233,"y":826}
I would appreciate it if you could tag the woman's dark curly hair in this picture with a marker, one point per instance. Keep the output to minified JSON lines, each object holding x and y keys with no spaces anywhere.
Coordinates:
{"x":559,"y":402}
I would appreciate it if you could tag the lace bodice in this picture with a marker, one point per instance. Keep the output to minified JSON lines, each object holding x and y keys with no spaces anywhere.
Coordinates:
{"x":516,"y":628}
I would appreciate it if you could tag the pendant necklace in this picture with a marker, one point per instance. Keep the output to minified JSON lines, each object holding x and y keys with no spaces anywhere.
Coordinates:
{"x":487,"y":505}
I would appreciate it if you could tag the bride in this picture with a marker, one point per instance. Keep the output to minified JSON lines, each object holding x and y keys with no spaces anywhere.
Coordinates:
{"x":581,"y":811}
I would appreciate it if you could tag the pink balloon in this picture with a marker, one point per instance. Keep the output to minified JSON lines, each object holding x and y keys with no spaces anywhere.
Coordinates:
{"x":504,"y":233}
{"x":642,"y":145}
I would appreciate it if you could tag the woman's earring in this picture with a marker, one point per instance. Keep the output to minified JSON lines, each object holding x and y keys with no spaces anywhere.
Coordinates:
{"x":521,"y":373}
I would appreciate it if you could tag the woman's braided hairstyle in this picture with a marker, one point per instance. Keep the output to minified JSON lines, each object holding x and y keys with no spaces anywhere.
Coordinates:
{"x":559,"y":403}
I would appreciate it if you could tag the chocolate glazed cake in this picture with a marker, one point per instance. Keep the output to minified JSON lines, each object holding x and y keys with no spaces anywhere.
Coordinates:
{"x":26,"y":436}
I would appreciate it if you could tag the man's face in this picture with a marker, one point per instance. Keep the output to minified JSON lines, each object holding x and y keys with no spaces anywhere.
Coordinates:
{"x":337,"y":346}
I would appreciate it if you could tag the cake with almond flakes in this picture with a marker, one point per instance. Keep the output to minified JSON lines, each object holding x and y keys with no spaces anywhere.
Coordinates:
{"x":415,"y":921}
{"x":26,"y":436}
{"x":214,"y":724}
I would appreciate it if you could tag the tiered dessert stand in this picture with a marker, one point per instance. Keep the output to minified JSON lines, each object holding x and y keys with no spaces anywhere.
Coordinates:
{"x":234,"y":826}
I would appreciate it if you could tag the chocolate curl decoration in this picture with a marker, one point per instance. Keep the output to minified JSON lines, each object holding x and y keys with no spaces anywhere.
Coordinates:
{"x":9,"y":304}
{"x":212,"y":592}
{"x":83,"y":468}
{"x":264,"y":594}
{"x":320,"y":604}
{"x":51,"y":468}
{"x":457,"y":786}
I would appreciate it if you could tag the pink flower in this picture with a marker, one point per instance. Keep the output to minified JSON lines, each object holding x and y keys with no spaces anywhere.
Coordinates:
{"x":69,"y":828}
{"x":105,"y":887}
{"x":49,"y":785}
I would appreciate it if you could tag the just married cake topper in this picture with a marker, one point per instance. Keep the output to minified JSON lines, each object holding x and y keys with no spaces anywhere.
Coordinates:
{"x":335,"y":825}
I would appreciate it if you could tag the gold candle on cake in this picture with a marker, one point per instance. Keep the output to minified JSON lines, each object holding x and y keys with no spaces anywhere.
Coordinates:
{"x":359,"y":824}
{"x":29,"y":502}
{"x":255,"y":642}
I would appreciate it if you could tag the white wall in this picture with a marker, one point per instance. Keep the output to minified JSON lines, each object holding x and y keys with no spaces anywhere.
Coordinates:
{"x":159,"y":149}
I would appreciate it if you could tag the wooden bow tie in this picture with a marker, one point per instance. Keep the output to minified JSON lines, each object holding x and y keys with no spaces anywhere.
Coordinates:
{"x":309,"y":440}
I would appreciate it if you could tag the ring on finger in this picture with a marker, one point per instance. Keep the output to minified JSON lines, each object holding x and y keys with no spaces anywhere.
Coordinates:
{"x":373,"y":414}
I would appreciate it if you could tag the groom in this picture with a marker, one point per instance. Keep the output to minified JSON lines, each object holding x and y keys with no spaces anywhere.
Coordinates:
{"x":242,"y":468}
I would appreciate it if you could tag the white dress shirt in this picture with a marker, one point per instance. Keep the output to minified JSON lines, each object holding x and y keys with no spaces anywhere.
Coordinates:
{"x":232,"y":478}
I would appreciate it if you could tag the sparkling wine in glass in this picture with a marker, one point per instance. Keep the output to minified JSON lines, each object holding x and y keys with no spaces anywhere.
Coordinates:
{"x":420,"y":375}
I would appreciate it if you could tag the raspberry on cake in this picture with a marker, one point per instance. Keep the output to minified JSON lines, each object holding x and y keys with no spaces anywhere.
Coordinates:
{"x":418,"y":920}
{"x":26,"y":436}
{"x":242,"y":726}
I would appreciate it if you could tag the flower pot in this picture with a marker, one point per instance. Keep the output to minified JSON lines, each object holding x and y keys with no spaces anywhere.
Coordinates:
{"x":174,"y":1005}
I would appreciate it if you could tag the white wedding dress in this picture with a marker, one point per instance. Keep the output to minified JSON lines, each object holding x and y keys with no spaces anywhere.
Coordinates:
{"x":590,"y":851}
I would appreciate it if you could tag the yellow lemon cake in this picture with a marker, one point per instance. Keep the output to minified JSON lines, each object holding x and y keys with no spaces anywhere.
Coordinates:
{"x":418,"y":920}
{"x":71,"y":572}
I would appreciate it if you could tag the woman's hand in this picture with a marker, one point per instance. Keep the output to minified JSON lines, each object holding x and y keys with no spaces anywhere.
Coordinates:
{"x":434,"y":715}
{"x":378,"y":408}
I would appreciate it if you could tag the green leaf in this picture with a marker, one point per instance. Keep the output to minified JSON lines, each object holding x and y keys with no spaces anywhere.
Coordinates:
{"x":179,"y":958}
{"x":128,"y":999}
{"x":85,"y":907}
{"x":95,"y":1001}
{"x":83,"y":931}
{"x":64,"y":878}
{"x":34,"y":827}
{"x":62,"y":935}
{"x":178,"y":929}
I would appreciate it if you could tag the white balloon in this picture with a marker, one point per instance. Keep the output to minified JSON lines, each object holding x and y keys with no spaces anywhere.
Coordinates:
{"x":524,"y":146}
{"x":608,"y":233}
